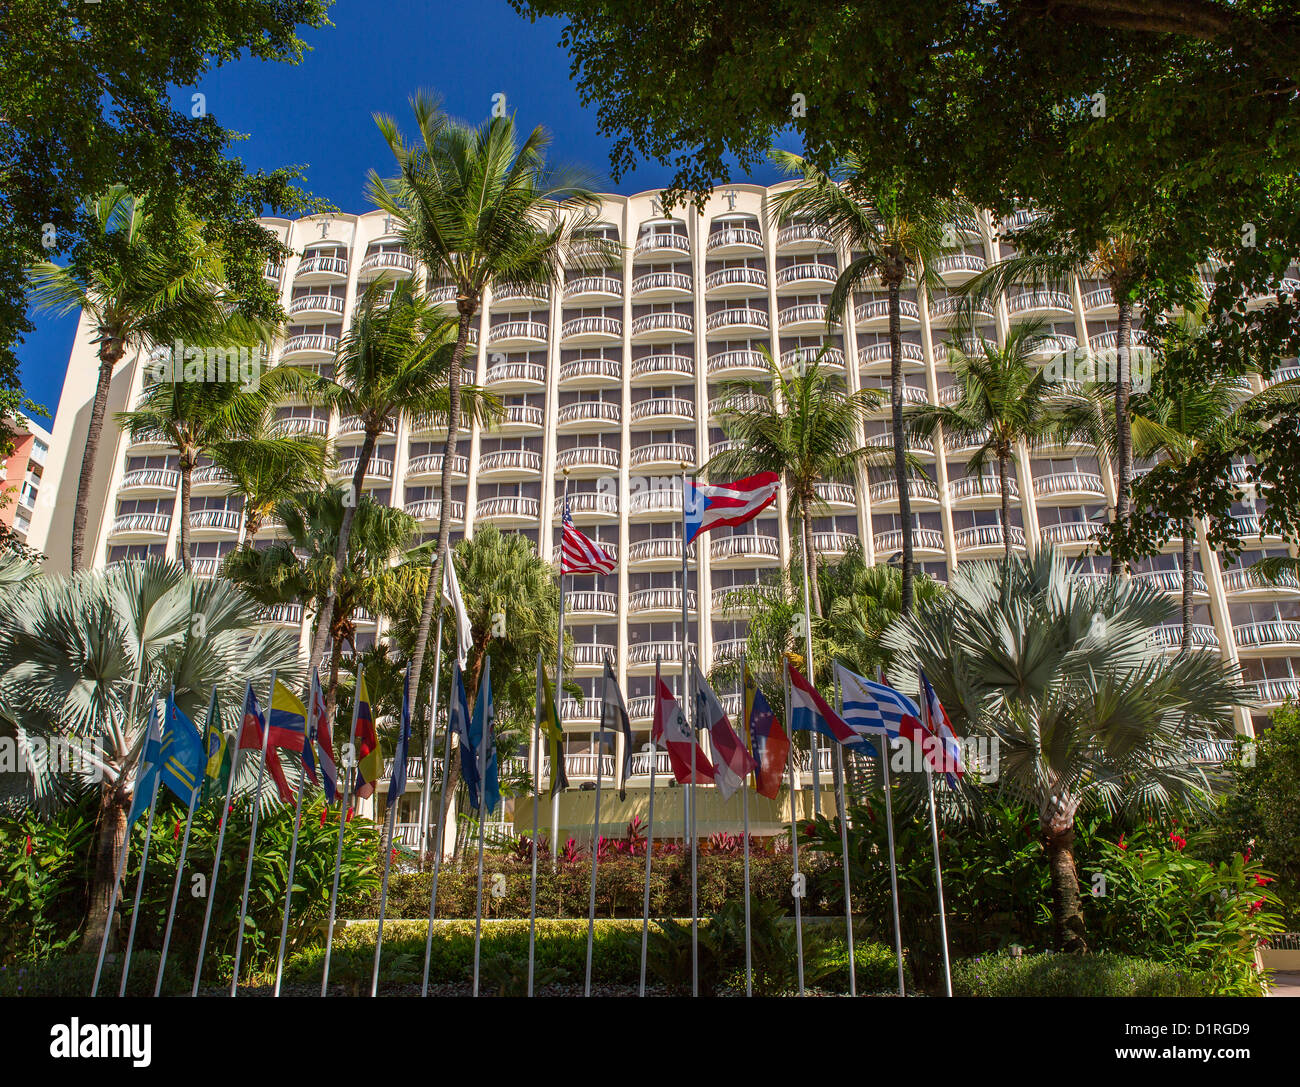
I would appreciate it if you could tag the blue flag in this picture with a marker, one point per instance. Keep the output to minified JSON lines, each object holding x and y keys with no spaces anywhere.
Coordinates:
{"x":183,"y":756}
{"x":397,"y":780}
{"x":485,"y":718}
{"x":146,"y":778}
{"x":458,"y":721}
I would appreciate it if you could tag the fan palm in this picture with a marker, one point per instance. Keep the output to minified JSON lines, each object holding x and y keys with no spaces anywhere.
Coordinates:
{"x":897,"y":236}
{"x":395,"y":358}
{"x":142,"y":290}
{"x":1005,"y":399}
{"x":803,"y":426}
{"x":80,"y":656}
{"x":480,"y":209}
{"x":1064,"y":676}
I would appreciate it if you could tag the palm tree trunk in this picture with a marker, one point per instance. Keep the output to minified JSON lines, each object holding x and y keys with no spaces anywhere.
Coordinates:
{"x":900,"y":447}
{"x":1067,"y":908}
{"x":332,"y":686}
{"x":110,"y":840}
{"x":341,"y":550}
{"x":186,"y":466}
{"x":812,"y":562}
{"x":1123,"y":429}
{"x":1189,"y":538}
{"x":434,"y":590}
{"x":1004,"y":480}
{"x":110,"y":354}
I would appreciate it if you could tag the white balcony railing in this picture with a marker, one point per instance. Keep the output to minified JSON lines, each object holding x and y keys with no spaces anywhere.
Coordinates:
{"x":589,"y":411}
{"x":587,"y":456}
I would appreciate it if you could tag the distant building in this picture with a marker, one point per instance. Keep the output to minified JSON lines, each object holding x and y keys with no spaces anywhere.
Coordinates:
{"x":24,"y":469}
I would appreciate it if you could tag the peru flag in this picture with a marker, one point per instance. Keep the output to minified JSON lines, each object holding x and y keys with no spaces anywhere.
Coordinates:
{"x":672,"y":731}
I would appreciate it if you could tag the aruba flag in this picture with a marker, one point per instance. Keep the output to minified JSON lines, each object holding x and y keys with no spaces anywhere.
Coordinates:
{"x":767,"y":739}
{"x":183,"y":757}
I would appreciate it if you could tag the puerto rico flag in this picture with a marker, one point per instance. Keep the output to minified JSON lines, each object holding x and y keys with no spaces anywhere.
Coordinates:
{"x":672,"y":731}
{"x":810,"y":713}
{"x":936,"y":718}
{"x":711,"y":505}
{"x":733,"y":762}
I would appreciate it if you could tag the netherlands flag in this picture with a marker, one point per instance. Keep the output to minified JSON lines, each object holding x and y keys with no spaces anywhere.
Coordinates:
{"x":711,"y":505}
{"x":810,"y":713}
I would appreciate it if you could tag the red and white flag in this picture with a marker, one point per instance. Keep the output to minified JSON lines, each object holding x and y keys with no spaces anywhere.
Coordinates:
{"x":712,"y":505}
{"x":579,"y":555}
{"x":732,"y":762}
{"x":672,"y":731}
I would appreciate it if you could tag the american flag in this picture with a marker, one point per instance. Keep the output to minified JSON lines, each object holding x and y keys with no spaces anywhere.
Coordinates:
{"x":579,"y":555}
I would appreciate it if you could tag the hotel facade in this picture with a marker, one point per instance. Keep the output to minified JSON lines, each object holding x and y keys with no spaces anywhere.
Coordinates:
{"x":612,"y":381}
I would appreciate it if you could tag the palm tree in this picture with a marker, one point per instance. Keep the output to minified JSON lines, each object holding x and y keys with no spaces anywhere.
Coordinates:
{"x":1064,"y":676}
{"x":480,"y":209}
{"x":1005,"y":400}
{"x":303,"y":568}
{"x":80,"y":656}
{"x":898,"y":235}
{"x":805,"y":428}
{"x":142,"y":290}
{"x":218,"y":419}
{"x":394,"y":359}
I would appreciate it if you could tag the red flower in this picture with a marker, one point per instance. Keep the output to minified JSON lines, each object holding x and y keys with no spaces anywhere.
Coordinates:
{"x":1178,"y":843}
{"x":29,"y":845}
{"x":809,"y":830}
{"x":1246,"y":856}
{"x":1257,"y":905}
{"x":1263,"y":881}
{"x":1121,"y":843}
{"x":176,"y":830}
{"x":349,"y":816}
{"x":322,"y":817}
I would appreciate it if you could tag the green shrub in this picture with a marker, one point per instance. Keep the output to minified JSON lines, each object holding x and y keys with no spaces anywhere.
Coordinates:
{"x":1050,"y":974}
{"x":73,"y":975}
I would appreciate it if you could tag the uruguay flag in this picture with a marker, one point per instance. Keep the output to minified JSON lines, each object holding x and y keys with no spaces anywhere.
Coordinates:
{"x":711,"y":505}
{"x":810,"y":713}
{"x":878,"y":708}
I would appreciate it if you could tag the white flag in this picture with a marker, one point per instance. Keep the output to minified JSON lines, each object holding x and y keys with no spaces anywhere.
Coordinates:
{"x":451,"y":594}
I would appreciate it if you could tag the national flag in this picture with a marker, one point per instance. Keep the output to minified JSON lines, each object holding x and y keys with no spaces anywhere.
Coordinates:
{"x":322,"y":750}
{"x":220,"y":752}
{"x":936,"y":719}
{"x":876,"y":708}
{"x":254,"y":725}
{"x":731,"y":762}
{"x":580,"y":555}
{"x":549,"y":719}
{"x":183,"y":760}
{"x":397,"y":779}
{"x":146,"y":778}
{"x":452,"y":595}
{"x":288,"y":730}
{"x":672,"y":731}
{"x":711,"y":505}
{"x":482,"y":728}
{"x":767,"y":740}
{"x":459,"y":722}
{"x":370,"y":759}
{"x":613,"y":711}
{"x":810,"y":713}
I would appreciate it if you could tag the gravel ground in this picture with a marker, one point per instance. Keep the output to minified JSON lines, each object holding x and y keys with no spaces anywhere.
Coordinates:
{"x":464,"y":989}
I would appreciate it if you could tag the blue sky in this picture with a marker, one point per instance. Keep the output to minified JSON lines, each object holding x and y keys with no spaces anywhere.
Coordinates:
{"x":318,"y":114}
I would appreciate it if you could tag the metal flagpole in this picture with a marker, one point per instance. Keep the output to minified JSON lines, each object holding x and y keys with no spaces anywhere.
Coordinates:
{"x":744,"y":789}
{"x":438,"y":844}
{"x":139,"y":883}
{"x":887,"y":746}
{"x":796,"y":885}
{"x":559,"y":694}
{"x":309,"y":738}
{"x":814,"y":747}
{"x":176,"y":889}
{"x":934,"y":838}
{"x":222,"y":820}
{"x":844,"y":845}
{"x":537,"y":788}
{"x":482,"y":826}
{"x":252,"y":839}
{"x":595,"y":845}
{"x":425,"y":821}
{"x":389,"y":816}
{"x":689,"y":700}
{"x":649,"y":840}
{"x":348,"y":762}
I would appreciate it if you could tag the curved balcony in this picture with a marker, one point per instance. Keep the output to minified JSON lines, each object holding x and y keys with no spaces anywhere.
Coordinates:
{"x":442,"y":294}
{"x":1109,"y":341}
{"x":805,"y":317}
{"x":1068,"y":533}
{"x":911,"y":395}
{"x":352,"y":426}
{"x":641,"y":760}
{"x":138,"y":481}
{"x":321,"y":270}
{"x":877,"y":356}
{"x":141,"y":526}
{"x":964,"y":444}
{"x":311,"y":344}
{"x":736,"y":402}
{"x":735,"y":282}
{"x":598,"y":505}
{"x":584,"y":766}
{"x":737,"y":598}
{"x":737,"y":320}
{"x":592,"y":330}
{"x":593,"y":654}
{"x":728,"y":364}
{"x":509,"y":464}
{"x":956,"y":268}
{"x":283,"y":615}
{"x":662,"y":551}
{"x":1249,"y":526}
{"x":837,"y":495}
{"x":591,"y":373}
{"x":743,"y":549}
{"x":1057,"y":343}
{"x":1080,"y":486}
{"x":300,"y":426}
{"x":430,"y":465}
{"x":596,"y":289}
{"x":518,"y":334}
{"x":375,"y":470}
{"x":922,"y":494}
{"x":729,"y":649}
{"x":645,"y":654}
{"x":211,"y":475}
{"x":661,"y":368}
{"x":587,"y":603}
{"x":833,"y":543}
{"x":1039,"y":304}
{"x":1271,"y":692}
{"x":874,"y":314}
{"x":324,"y":305}
{"x":918,"y":446}
{"x":1171,"y":581}
{"x":666,"y":410}
{"x":662,"y":286}
{"x":377,"y":263}
{"x":925,"y":541}
{"x":215,"y":521}
{"x":814,"y":274}
{"x":1241,"y":582}
{"x":507,"y":509}
{"x":515,"y":376}
{"x":516,"y":295}
{"x":981,"y":490}
{"x":663,"y":326}
{"x":521,"y":419}
{"x":946,"y":311}
{"x":670,"y":455}
{"x":655,"y":503}
{"x":1170,"y":636}
{"x":985,"y":540}
{"x":804,"y":238}
{"x":1100,"y":303}
{"x":588,"y":415}
{"x":653,"y":244}
{"x":587,"y":458}
{"x":664,"y":603}
{"x":1270,"y":634}
{"x":734,"y":241}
